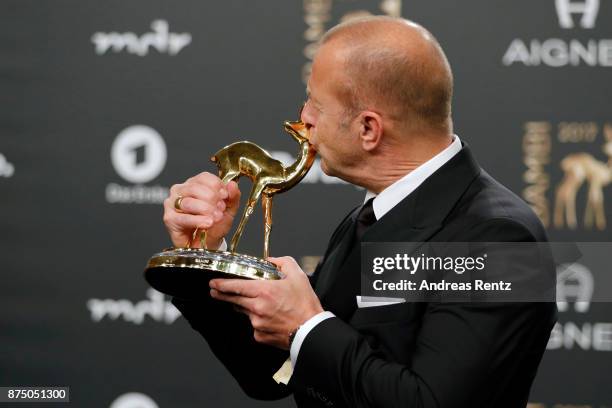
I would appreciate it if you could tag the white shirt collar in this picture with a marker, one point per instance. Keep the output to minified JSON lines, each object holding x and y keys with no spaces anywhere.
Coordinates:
{"x":396,"y":192}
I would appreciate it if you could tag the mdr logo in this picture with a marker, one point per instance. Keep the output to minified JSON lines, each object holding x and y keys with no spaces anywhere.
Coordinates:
{"x":159,"y":38}
{"x":138,"y":155}
{"x":156,"y":306}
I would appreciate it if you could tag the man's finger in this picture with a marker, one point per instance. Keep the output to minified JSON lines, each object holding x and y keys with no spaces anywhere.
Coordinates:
{"x":243,"y":302}
{"x":286,"y":265}
{"x":190,"y":205}
{"x":201,"y":192}
{"x":239,"y":287}
{"x":189,"y":221}
{"x":208,"y":179}
{"x":233,"y":199}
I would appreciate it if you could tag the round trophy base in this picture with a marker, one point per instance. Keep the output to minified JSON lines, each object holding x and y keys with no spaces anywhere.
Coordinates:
{"x":185,"y":272}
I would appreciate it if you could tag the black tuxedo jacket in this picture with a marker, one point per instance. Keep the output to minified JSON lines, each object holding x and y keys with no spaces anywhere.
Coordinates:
{"x":406,"y":354}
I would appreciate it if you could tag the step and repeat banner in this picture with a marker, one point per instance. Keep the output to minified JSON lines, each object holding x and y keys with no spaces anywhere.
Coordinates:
{"x":106,"y":104}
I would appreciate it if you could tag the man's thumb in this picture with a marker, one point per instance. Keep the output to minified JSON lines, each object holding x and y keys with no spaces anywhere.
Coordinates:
{"x":285,"y":264}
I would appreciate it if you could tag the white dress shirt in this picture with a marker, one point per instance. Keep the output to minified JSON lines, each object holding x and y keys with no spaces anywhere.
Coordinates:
{"x":382,"y":204}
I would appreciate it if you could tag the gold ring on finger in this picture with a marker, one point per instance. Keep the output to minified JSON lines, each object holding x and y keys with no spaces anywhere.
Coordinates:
{"x":177,"y":203}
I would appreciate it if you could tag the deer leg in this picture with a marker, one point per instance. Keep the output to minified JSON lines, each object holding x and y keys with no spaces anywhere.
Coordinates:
{"x":248,"y":210}
{"x":266,"y":203}
{"x":570,"y":209}
{"x":559,"y":207}
{"x":588,"y":210}
{"x":597,"y":201}
{"x":600,"y":216}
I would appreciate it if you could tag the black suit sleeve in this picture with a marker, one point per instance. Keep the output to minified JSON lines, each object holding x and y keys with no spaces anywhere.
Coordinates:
{"x":230,"y":337}
{"x":458,"y":347}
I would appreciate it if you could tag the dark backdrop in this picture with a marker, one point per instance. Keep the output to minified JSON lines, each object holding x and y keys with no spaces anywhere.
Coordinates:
{"x":106,"y":104}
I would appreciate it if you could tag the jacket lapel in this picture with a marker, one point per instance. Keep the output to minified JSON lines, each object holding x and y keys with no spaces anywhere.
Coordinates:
{"x":339,"y":296}
{"x":334,"y":258}
{"x":417,"y":218}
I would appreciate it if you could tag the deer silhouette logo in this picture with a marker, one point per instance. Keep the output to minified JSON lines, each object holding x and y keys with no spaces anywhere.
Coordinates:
{"x":268,"y":175}
{"x":578,"y":168}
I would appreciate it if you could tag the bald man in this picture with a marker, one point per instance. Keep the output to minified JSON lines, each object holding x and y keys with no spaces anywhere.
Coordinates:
{"x":379,"y":114}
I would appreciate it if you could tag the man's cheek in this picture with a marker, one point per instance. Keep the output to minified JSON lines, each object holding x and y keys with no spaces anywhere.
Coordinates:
{"x":312,"y":136}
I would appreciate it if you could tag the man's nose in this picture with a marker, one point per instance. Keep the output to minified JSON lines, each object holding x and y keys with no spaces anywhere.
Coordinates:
{"x":305,"y":116}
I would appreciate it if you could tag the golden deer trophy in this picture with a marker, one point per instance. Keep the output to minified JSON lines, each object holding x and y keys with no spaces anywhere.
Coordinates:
{"x":177,"y":271}
{"x":269,"y":176}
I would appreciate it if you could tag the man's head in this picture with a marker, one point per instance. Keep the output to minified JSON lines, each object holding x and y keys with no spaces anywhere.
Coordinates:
{"x":377,"y":84}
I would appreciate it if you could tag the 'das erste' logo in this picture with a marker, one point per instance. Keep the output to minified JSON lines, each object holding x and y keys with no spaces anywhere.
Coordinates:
{"x":134,"y":400}
{"x":7,"y":169}
{"x":138,"y":155}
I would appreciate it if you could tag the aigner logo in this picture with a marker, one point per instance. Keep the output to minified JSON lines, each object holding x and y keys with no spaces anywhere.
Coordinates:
{"x":588,"y":9}
{"x":161,"y":39}
{"x":138,"y":155}
{"x":560,"y":52}
{"x":575,"y":282}
{"x":6,"y":169}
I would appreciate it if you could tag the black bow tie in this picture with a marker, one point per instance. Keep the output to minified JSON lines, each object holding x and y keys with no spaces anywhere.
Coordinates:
{"x":365,"y":219}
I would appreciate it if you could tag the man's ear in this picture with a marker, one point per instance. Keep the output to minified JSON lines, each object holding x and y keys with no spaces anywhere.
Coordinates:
{"x":370,"y":130}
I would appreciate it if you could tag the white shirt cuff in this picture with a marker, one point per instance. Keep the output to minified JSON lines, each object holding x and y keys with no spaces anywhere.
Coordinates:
{"x":303,"y":331}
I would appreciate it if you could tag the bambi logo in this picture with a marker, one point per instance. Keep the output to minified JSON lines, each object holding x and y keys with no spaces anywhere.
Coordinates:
{"x":579,"y":168}
{"x":588,"y":9}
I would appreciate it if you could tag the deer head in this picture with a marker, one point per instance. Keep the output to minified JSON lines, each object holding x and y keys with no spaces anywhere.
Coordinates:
{"x":297,"y":129}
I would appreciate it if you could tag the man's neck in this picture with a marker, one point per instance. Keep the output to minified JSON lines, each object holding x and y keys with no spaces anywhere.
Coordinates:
{"x":394,"y":162}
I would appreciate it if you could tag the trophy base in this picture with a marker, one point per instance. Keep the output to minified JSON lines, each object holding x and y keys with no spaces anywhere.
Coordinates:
{"x":185,"y":272}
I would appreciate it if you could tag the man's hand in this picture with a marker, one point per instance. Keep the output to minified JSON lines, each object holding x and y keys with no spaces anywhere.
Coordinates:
{"x":207,"y":204}
{"x":275,"y":308}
